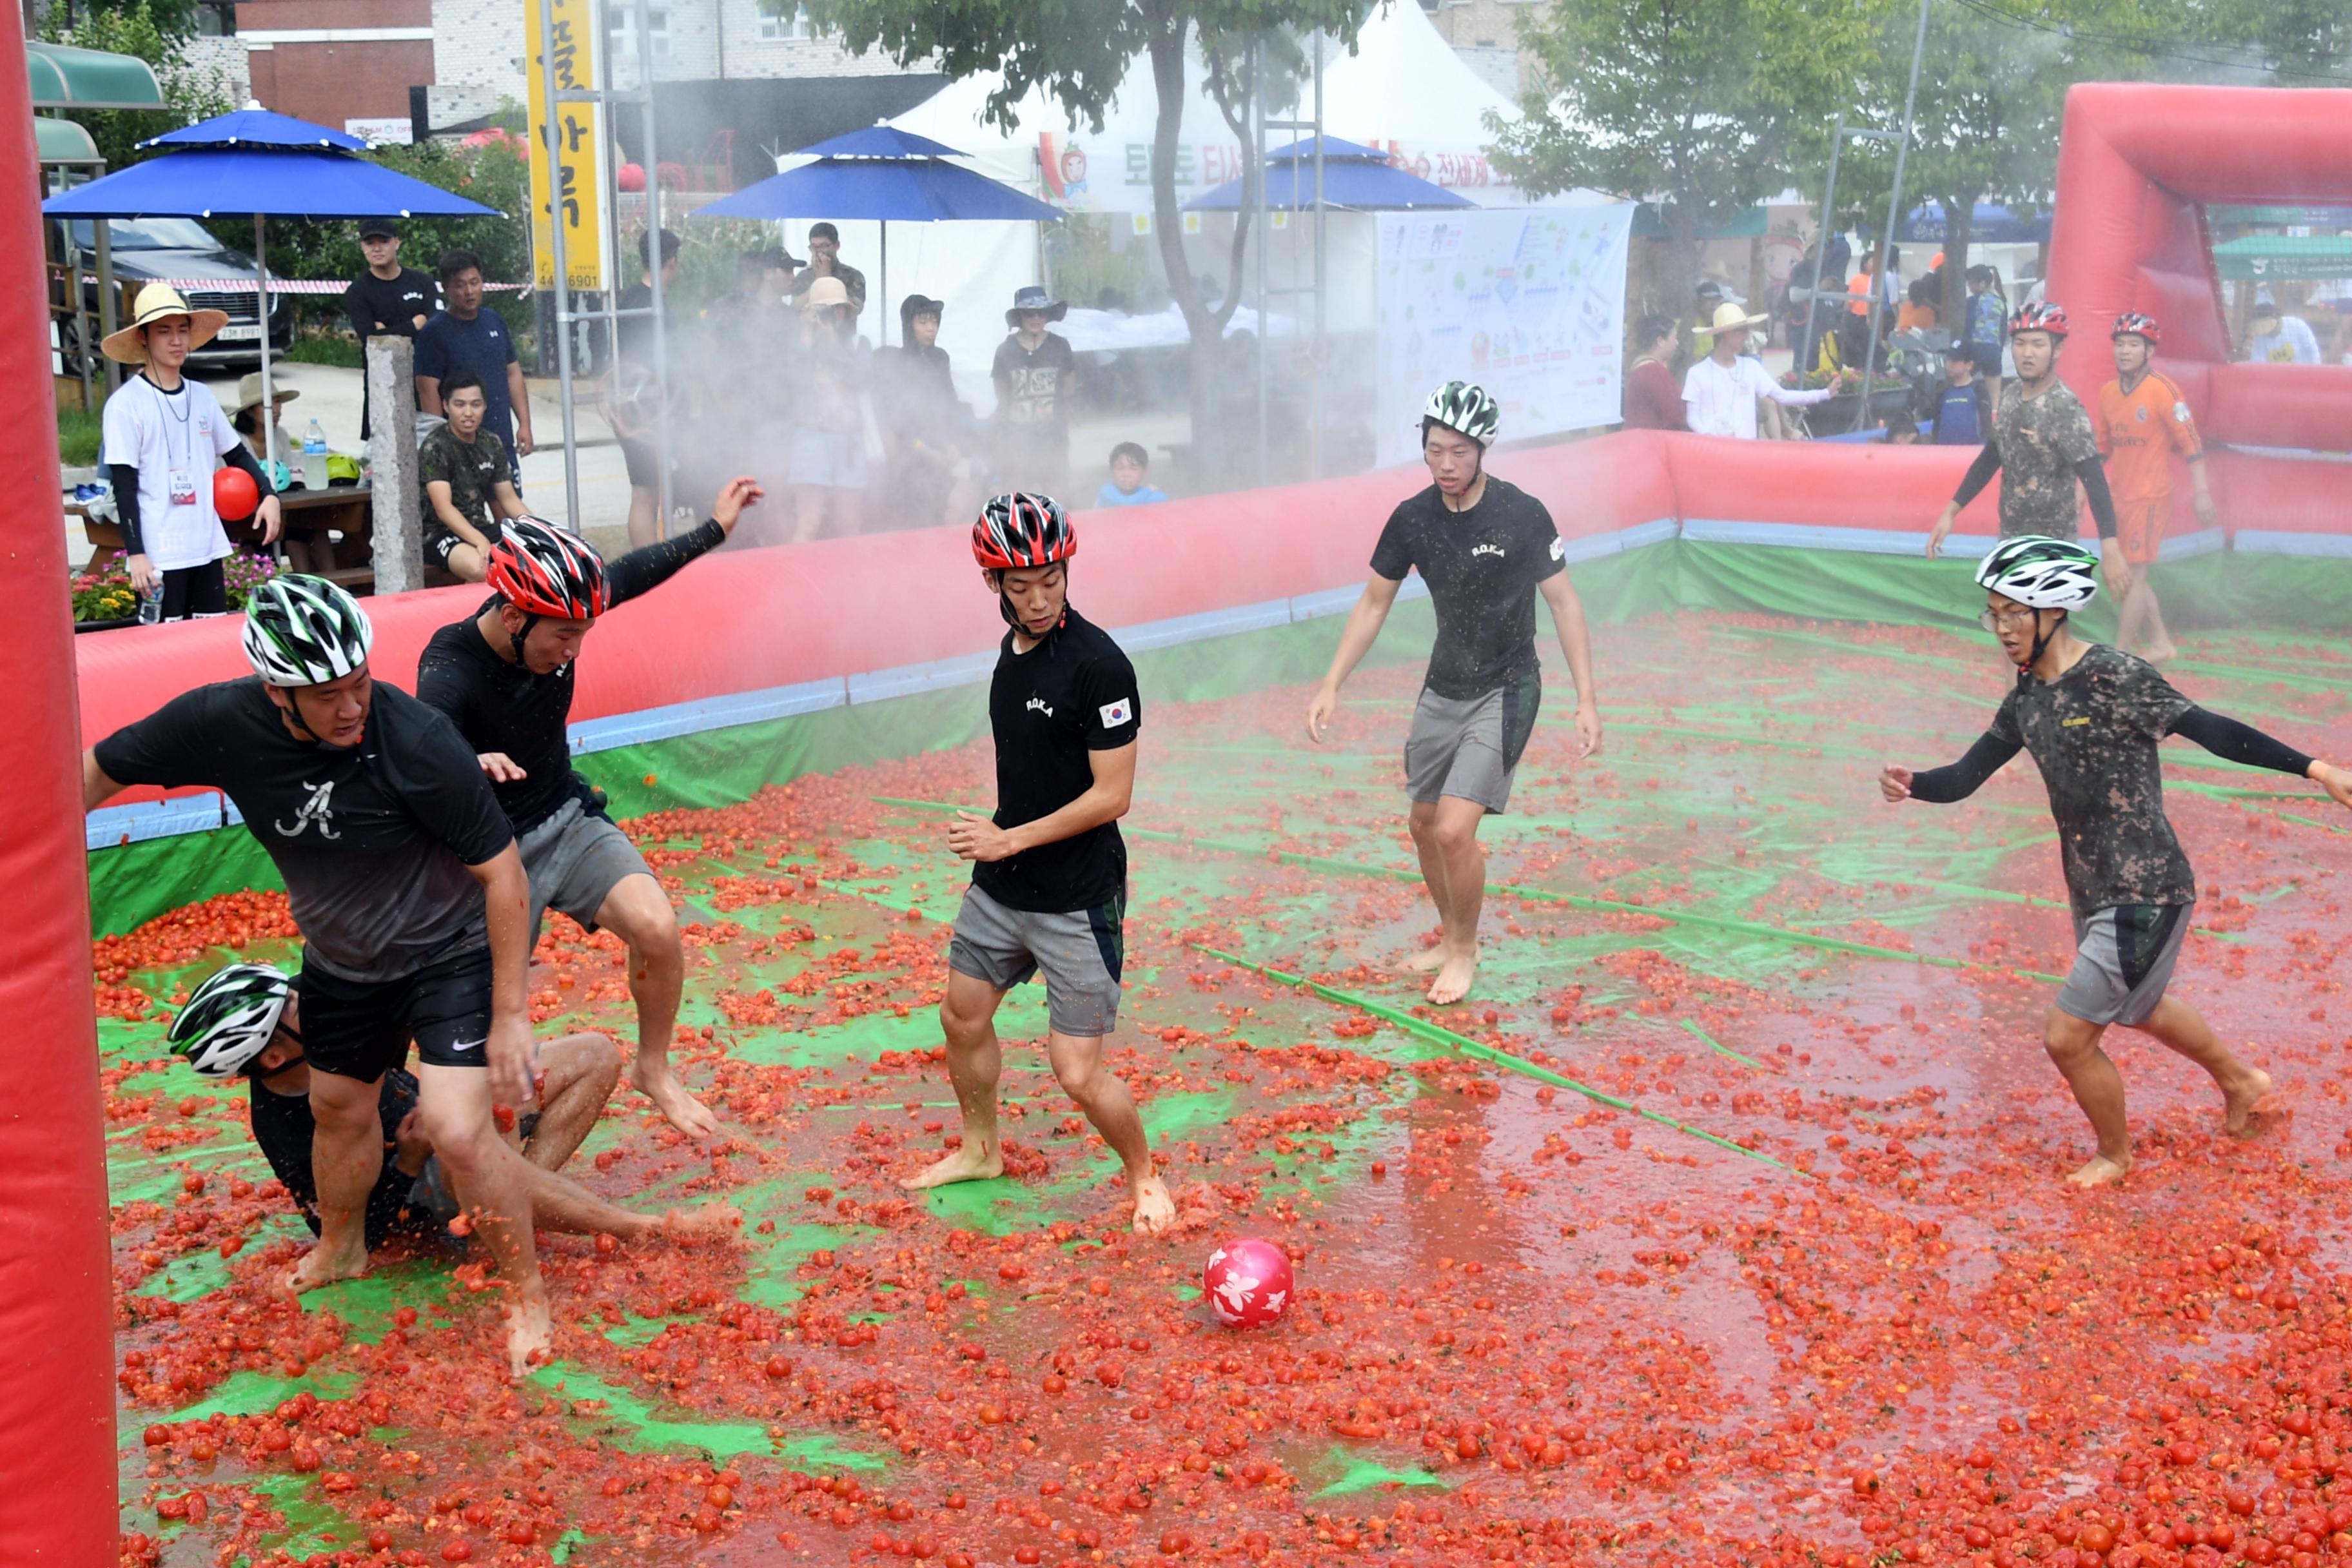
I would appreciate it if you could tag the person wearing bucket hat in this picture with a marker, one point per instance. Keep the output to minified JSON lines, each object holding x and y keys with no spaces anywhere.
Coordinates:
{"x":2094,"y":718}
{"x":1037,"y":377}
{"x":163,"y":435}
{"x":1721,"y":390}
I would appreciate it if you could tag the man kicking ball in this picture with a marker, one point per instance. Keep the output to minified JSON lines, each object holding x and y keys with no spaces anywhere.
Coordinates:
{"x":1485,"y":548}
{"x":246,"y":1021}
{"x":1049,"y":871}
{"x":2092,"y":717}
{"x":504,"y":677}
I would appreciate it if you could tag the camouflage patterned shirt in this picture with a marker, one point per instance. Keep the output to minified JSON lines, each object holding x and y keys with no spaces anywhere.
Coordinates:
{"x":2039,"y":440}
{"x":2094,"y":732}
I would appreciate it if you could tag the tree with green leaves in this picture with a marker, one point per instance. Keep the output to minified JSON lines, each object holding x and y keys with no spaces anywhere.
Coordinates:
{"x":146,"y":33}
{"x":1077,"y":52}
{"x":1702,"y":104}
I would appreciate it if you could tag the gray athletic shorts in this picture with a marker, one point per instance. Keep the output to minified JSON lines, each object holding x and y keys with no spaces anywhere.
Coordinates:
{"x":574,"y":860}
{"x":1469,"y":747}
{"x":1081,"y":954}
{"x":2124,"y":956}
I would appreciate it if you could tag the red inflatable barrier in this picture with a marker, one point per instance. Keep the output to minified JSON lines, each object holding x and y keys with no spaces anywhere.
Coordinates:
{"x":56,"y":1287}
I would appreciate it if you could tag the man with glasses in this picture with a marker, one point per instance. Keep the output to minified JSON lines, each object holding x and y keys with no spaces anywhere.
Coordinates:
{"x":2092,"y":717}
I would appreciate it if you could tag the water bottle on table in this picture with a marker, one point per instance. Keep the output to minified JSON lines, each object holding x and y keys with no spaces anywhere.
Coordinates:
{"x":314,"y":457}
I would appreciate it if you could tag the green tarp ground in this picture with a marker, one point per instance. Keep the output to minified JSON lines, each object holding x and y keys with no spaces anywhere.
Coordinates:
{"x":133,"y":883}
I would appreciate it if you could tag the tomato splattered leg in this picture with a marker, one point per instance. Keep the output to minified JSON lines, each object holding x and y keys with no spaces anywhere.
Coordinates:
{"x":2073,"y":1047}
{"x":2179,"y":1026}
{"x":975,"y":1061}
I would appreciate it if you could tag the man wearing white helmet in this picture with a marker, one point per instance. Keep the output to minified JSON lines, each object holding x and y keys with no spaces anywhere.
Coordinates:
{"x":411,"y":897}
{"x":246,"y":1021}
{"x":1485,"y":548}
{"x":2092,"y":717}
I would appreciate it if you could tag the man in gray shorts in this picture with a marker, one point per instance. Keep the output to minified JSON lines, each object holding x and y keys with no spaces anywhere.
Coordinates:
{"x":1049,"y":889}
{"x":1485,"y":548}
{"x":504,"y":678}
{"x":2092,"y":717}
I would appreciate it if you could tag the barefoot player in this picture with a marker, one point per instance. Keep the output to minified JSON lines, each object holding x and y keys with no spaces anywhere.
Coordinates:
{"x":504,"y":678}
{"x":2143,"y":420}
{"x":246,"y":1021}
{"x":411,"y":898}
{"x":2093,"y":716}
{"x":1485,"y":548}
{"x":1049,"y":871}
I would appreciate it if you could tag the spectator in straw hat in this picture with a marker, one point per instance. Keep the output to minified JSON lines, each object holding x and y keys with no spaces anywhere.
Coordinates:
{"x":1721,"y":390}
{"x":309,"y":547}
{"x":163,"y":436}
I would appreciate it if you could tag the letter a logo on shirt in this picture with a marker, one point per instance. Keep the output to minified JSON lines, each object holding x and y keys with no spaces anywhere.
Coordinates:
{"x":320,"y":809}
{"x":1114,"y":714}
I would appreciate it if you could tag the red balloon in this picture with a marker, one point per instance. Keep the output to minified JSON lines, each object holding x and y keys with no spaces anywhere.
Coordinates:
{"x":1247,"y":1283}
{"x":235,"y":495}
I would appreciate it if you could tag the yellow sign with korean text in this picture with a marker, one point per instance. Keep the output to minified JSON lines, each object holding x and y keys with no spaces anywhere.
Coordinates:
{"x":568,"y":185}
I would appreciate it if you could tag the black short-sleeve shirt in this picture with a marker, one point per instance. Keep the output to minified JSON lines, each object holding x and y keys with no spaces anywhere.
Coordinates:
{"x":1482,"y":567}
{"x":2094,"y":732}
{"x":284,"y":1129}
{"x":373,"y":840}
{"x":1052,"y":708}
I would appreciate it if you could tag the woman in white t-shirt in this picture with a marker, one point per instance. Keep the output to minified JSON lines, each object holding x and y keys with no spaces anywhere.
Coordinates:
{"x":163,"y":436}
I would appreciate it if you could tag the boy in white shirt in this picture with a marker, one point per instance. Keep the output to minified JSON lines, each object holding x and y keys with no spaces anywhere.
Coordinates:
{"x":1721,"y":390}
{"x":163,"y":436}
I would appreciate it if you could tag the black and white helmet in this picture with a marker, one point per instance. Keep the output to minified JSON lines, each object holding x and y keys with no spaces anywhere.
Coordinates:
{"x":1467,"y":408}
{"x":230,"y":1018}
{"x":303,"y":631}
{"x":2046,"y":573}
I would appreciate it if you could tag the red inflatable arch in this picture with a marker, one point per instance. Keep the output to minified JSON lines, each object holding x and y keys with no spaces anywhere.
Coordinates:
{"x":2136,"y":167}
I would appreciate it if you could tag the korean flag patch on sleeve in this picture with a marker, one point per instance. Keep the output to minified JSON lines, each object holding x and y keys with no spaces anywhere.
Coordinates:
{"x":1115,"y":715}
{"x":1559,"y":548}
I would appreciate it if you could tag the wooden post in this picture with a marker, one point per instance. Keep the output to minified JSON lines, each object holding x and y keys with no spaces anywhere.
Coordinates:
{"x":395,"y":495}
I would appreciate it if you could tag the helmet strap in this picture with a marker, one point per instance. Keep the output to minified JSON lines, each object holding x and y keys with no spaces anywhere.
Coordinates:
{"x":2040,"y":643}
{"x":530,"y":618}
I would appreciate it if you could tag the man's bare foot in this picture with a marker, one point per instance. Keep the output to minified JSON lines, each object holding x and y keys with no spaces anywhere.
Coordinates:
{"x":318,"y":1266}
{"x":1452,"y":981}
{"x":2100,"y":1172}
{"x":705,"y":1221}
{"x":658,"y":1083}
{"x":531,"y":1335}
{"x":2239,"y":1118}
{"x":2162,"y":652}
{"x":964,"y":1165}
{"x":1155,"y":1211}
{"x":1427,"y":960}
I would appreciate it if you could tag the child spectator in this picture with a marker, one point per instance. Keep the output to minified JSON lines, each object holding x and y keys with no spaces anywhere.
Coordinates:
{"x":1129,"y":463}
{"x":1962,"y":413}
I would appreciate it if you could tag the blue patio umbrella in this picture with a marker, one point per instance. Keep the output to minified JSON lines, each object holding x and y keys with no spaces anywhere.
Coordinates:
{"x":1990,"y":223}
{"x":1356,"y":178}
{"x":254,"y":162}
{"x":884,"y":176}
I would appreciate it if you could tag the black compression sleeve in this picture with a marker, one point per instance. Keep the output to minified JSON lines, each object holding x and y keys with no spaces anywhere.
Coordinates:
{"x":1979,"y":473}
{"x":642,"y":571}
{"x":2239,"y":742}
{"x":2093,"y":476}
{"x":125,"y":479}
{"x":241,"y":456}
{"x":1957,"y":781}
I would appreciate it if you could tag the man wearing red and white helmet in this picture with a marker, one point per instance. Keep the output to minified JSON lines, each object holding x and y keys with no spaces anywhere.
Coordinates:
{"x":504,"y":678}
{"x":1048,"y":890}
{"x":2144,"y":420}
{"x":2042,"y":447}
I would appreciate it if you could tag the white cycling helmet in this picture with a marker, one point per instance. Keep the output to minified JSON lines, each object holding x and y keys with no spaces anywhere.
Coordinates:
{"x":304,"y":631}
{"x":1466,"y":407}
{"x":2046,"y":573}
{"x":231,"y":1019}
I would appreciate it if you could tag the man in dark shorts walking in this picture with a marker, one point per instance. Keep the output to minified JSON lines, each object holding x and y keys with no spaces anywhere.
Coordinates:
{"x":503,"y":676}
{"x":1485,"y":548}
{"x":1049,"y":875}
{"x":411,"y":897}
{"x":2042,"y":446}
{"x":2093,"y":716}
{"x":245,"y":1021}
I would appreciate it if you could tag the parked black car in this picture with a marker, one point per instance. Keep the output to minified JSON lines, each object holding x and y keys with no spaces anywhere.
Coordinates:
{"x":178,"y":249}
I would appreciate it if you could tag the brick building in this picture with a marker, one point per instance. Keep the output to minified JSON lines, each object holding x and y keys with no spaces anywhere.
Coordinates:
{"x":1484,"y":33}
{"x":332,"y":61}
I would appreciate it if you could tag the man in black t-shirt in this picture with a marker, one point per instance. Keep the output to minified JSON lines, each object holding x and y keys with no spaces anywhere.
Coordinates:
{"x":245,"y":1020}
{"x":1485,"y":548}
{"x":503,"y":676}
{"x":411,"y":897}
{"x":387,"y":300}
{"x":1036,"y":378}
{"x":1049,"y":871}
{"x":2092,"y":717}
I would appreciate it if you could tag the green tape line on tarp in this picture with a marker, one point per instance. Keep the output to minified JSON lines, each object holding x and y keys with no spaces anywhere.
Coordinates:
{"x":1720,"y":1048}
{"x":1437,"y":1034}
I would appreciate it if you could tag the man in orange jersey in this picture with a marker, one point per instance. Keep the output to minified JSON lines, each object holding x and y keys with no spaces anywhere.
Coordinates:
{"x":2143,"y":420}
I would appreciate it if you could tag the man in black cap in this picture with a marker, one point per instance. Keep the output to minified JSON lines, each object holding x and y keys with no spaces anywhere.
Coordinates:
{"x":387,"y":300}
